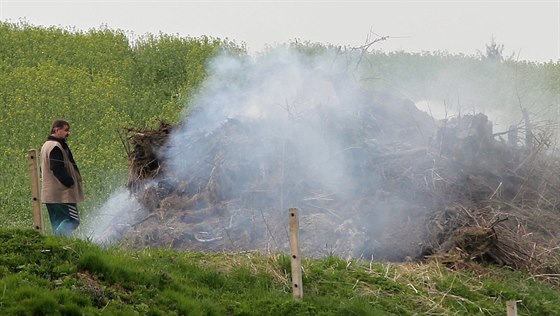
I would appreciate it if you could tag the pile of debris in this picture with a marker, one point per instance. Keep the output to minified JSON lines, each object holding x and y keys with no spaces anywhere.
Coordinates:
{"x":410,"y":188}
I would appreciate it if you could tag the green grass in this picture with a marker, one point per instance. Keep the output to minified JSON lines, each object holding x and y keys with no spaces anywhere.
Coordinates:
{"x":47,"y":275}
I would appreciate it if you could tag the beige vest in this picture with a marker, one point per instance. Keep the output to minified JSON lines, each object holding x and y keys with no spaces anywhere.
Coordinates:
{"x":53,"y":191}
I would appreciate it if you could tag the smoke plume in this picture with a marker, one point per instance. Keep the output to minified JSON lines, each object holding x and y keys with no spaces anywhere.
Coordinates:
{"x":284,"y":130}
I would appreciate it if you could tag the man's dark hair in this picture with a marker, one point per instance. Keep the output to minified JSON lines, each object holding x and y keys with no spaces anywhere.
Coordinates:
{"x":59,"y":124}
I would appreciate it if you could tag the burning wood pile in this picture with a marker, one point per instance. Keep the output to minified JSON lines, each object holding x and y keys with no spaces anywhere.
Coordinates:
{"x":404,"y":187}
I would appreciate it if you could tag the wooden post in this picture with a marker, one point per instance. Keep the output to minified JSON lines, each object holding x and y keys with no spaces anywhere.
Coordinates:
{"x":297,"y":283}
{"x":36,"y":193}
{"x":511,"y":307}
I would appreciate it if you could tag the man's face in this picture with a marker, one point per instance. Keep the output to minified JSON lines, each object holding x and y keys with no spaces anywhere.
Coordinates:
{"x":62,"y":133}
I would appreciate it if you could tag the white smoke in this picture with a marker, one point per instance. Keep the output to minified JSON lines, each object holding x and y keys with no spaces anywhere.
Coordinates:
{"x":281,"y":89}
{"x":315,"y":138}
{"x":308,"y":134}
{"x":103,"y":224}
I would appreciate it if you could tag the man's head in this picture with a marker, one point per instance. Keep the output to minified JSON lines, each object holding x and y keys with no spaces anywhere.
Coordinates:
{"x":60,"y":129}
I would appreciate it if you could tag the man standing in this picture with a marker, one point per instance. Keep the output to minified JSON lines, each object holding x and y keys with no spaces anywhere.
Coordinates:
{"x":62,"y":183}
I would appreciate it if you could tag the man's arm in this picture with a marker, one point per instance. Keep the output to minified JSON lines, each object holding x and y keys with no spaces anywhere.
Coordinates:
{"x":58,"y":167}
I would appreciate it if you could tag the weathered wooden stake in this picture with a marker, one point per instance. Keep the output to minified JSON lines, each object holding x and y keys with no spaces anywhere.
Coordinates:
{"x":511,"y":307}
{"x":36,"y":193}
{"x":297,"y":283}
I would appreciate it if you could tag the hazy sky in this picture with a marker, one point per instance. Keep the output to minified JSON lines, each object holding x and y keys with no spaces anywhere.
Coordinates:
{"x":530,"y":29}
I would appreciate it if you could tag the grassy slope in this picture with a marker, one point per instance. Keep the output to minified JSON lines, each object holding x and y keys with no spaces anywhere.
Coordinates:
{"x":44,"y":275}
{"x":99,"y":82}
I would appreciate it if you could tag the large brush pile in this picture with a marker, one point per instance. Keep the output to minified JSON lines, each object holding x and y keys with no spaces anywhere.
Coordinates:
{"x":412,"y":188}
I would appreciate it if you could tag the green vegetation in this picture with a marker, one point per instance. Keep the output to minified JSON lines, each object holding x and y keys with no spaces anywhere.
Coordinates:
{"x":101,"y":83}
{"x":98,"y":81}
{"x":45,"y":275}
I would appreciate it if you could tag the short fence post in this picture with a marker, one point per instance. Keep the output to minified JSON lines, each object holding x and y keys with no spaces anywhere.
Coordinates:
{"x":511,"y":307}
{"x":36,"y":193}
{"x":297,"y":282}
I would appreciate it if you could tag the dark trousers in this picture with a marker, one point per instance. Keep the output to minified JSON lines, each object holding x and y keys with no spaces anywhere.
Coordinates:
{"x":64,"y":218}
